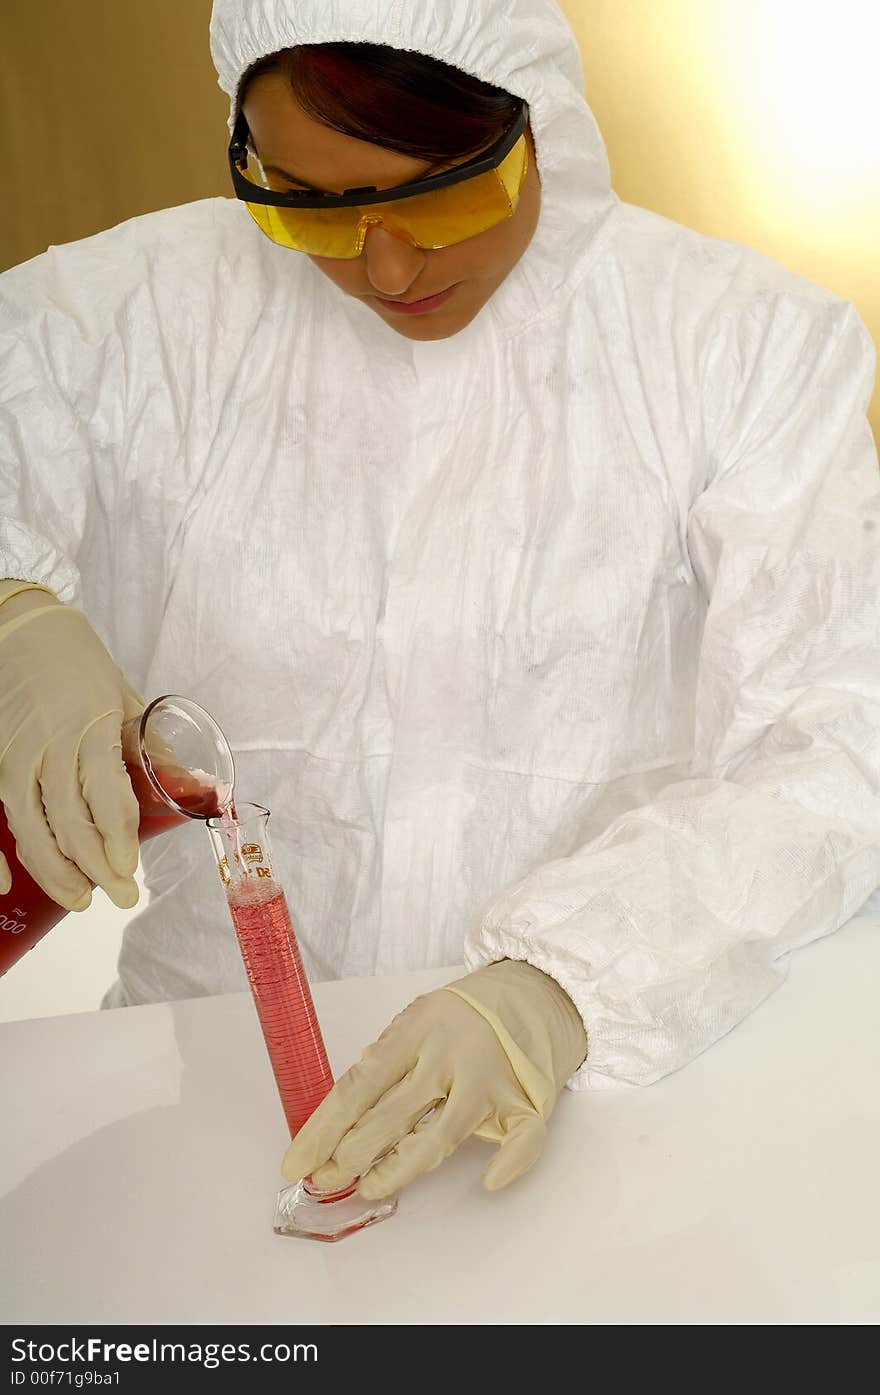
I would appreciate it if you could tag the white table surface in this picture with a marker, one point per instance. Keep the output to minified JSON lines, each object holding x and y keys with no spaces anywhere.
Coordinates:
{"x":142,"y":1149}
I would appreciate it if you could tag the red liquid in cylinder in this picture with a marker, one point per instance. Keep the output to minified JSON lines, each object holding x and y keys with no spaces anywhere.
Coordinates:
{"x":282,"y":997}
{"x":27,"y":913}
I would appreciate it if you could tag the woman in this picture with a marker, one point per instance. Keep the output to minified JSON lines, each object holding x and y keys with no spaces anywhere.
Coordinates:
{"x":542,"y":613}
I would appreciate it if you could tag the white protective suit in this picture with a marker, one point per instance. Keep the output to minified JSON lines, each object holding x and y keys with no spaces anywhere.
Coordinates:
{"x":557,"y":640}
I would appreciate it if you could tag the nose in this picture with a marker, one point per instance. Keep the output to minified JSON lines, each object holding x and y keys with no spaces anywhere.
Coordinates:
{"x":392,"y":263}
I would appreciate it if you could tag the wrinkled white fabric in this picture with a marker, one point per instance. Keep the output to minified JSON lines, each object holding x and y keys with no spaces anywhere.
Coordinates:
{"x":555,"y":640}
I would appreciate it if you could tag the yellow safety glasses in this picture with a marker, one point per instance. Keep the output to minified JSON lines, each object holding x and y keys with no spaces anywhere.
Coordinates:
{"x":435,"y":212}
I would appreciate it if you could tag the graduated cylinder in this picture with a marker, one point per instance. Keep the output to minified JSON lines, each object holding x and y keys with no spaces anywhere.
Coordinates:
{"x":272,"y":959}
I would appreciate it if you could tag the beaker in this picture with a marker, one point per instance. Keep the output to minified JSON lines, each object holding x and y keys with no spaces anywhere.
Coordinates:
{"x":180,"y":768}
{"x":286,"y":1012}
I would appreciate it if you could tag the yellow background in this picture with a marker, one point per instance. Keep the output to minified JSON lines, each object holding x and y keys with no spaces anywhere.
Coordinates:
{"x":751,"y":120}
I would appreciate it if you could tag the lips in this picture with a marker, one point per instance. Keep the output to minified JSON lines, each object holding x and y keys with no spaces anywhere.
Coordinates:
{"x":417,"y":307}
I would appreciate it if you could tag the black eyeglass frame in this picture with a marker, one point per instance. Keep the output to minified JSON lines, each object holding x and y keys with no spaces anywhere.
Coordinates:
{"x":353,"y":198}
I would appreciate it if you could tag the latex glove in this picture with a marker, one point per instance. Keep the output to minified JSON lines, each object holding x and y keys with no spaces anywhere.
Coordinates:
{"x":488,"y":1054}
{"x":68,"y":800}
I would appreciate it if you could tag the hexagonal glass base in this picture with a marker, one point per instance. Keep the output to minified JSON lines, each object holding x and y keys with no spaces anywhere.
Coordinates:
{"x":301,"y":1209}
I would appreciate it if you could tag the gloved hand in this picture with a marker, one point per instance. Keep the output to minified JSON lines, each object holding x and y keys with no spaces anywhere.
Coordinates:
{"x":487,"y":1054}
{"x":68,"y":800}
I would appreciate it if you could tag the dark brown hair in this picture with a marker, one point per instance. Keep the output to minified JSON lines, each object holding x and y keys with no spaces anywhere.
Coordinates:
{"x":395,"y":98}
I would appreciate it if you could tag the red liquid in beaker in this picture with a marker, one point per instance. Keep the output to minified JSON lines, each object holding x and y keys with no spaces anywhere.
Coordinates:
{"x":27,"y":913}
{"x":282,"y":997}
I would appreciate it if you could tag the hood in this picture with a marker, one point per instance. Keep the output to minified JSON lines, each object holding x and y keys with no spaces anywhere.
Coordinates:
{"x":524,"y":46}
